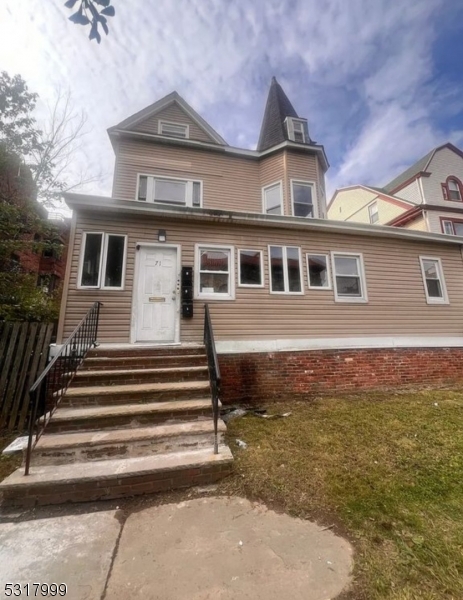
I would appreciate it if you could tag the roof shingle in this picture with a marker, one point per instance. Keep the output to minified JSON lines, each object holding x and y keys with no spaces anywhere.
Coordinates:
{"x":278,"y":107}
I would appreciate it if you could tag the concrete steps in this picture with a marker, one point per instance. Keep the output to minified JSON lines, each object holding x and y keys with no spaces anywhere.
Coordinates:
{"x":141,"y":392}
{"x":134,"y":420}
{"x":116,"y":478}
{"x":128,"y":415}
{"x":82,"y":446}
{"x":134,"y":376}
{"x":141,"y":361}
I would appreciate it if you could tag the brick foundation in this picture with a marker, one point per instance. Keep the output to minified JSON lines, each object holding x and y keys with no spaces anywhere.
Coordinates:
{"x":254,"y":377}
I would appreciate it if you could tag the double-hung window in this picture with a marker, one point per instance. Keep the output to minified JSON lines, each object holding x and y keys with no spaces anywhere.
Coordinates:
{"x":285,"y":270}
{"x":373,"y":212}
{"x":303,"y":197}
{"x":452,"y":227}
{"x":102,"y":262}
{"x":349,"y":277}
{"x":214,"y":272}
{"x":318,"y":272}
{"x":166,"y":190}
{"x":433,"y":280}
{"x":272,"y":198}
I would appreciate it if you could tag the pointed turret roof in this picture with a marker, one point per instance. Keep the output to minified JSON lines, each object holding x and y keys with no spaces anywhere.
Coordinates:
{"x":278,"y":107}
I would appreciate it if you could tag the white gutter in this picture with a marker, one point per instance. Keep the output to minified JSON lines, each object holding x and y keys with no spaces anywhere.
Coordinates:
{"x":106,"y":204}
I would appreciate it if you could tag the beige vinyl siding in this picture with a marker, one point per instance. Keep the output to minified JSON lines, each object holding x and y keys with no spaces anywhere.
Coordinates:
{"x":411,"y":192}
{"x":396,"y":299}
{"x":271,"y":170}
{"x":304,"y":168}
{"x":174,"y":114}
{"x":228,"y":182}
{"x":418,"y":225}
{"x":443,"y":164}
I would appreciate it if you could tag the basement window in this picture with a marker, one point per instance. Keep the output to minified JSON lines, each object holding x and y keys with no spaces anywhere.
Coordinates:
{"x":433,"y":280}
{"x":102,"y":263}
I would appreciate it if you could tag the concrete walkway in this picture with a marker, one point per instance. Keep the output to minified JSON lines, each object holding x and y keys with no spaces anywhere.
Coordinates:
{"x":207,"y":548}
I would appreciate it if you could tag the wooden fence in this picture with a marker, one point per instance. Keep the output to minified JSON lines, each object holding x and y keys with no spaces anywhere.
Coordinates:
{"x":23,"y":356}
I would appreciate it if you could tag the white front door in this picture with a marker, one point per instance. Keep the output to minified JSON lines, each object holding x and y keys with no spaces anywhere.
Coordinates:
{"x":156,"y":307}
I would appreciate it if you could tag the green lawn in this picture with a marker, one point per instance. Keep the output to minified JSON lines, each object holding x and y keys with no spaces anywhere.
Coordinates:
{"x":386,"y":469}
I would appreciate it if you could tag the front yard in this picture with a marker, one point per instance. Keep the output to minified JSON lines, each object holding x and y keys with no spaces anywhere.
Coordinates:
{"x":385,"y":469}
{"x":8,"y":464}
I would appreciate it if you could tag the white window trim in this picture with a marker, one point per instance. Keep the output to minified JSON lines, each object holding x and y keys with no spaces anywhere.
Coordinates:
{"x":429,"y":299}
{"x":231,"y":274}
{"x":266,"y":187}
{"x":285,"y":271}
{"x":290,"y":128}
{"x":328,"y":269}
{"x":444,"y":221}
{"x":102,"y":265}
{"x":314,"y":196}
{"x":251,"y":285}
{"x":369,"y":206}
{"x":149,"y":190}
{"x":363,"y":282}
{"x":187,"y":128}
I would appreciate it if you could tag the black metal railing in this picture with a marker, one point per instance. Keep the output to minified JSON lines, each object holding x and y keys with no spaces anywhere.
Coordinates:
{"x":214,"y":372}
{"x":50,"y":387}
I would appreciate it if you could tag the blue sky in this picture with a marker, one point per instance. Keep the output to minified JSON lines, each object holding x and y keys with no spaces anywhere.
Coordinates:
{"x":380,"y":81}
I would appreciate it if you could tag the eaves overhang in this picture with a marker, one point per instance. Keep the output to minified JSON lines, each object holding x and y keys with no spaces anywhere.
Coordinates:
{"x":105,"y":204}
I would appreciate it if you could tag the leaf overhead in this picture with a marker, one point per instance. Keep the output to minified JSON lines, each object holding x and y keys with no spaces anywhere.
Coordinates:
{"x":70,"y":3}
{"x":110,"y":11}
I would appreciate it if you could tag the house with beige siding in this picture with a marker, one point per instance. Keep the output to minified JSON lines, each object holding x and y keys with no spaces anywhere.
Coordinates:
{"x":201,"y":241}
{"x":428,"y":196}
{"x":193,"y":221}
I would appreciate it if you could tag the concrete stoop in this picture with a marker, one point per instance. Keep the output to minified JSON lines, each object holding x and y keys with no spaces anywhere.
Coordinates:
{"x":133,"y":421}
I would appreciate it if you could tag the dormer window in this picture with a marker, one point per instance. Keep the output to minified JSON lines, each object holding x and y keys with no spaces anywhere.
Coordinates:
{"x":176,"y":130}
{"x":297,"y":130}
{"x":452,"y":189}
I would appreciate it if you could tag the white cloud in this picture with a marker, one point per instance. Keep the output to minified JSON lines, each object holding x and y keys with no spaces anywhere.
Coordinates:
{"x":220,"y":56}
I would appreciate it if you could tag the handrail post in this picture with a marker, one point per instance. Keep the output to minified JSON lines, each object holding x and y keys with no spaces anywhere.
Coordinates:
{"x":214,"y":372}
{"x":58,"y":374}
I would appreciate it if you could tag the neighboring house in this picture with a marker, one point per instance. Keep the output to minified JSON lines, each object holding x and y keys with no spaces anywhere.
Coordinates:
{"x":251,"y":227}
{"x":29,"y":241}
{"x":428,"y":196}
{"x":364,"y":204}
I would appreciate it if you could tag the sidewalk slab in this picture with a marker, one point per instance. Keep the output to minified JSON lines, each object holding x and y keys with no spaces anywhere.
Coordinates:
{"x":226,"y":549}
{"x":75,"y":550}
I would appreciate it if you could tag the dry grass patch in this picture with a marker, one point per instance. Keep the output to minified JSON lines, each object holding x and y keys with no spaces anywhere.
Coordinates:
{"x":386,"y":468}
{"x":8,"y":464}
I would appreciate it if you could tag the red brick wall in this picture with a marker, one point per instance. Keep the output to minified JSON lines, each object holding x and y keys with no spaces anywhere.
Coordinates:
{"x":256,"y":377}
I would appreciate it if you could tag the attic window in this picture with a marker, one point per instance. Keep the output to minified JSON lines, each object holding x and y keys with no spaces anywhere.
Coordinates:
{"x":297,"y":130}
{"x":176,"y":130}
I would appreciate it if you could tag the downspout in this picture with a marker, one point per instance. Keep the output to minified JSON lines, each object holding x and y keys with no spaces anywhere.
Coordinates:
{"x":423,"y":201}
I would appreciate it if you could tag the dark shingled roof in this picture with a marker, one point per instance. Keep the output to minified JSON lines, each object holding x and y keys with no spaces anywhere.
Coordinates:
{"x":278,"y":107}
{"x":409,"y":173}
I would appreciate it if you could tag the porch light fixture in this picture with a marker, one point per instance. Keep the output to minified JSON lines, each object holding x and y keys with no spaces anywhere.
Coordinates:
{"x":162,"y":237}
